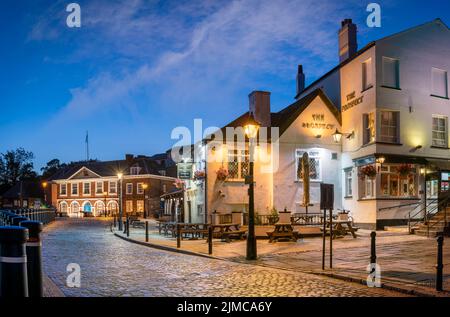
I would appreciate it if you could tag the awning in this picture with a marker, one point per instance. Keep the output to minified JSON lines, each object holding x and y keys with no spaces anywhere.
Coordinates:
{"x":174,"y":194}
{"x":390,"y":159}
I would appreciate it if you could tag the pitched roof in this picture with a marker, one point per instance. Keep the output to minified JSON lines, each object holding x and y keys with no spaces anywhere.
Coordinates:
{"x":111,"y":168}
{"x":284,"y":118}
{"x":365,"y":48}
{"x":26,"y":189}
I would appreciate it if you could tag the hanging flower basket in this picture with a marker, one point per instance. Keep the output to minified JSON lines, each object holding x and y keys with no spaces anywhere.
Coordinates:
{"x":199,"y":175}
{"x":405,"y":170}
{"x":222,"y":174}
{"x":179,"y":183}
{"x":368,"y":171}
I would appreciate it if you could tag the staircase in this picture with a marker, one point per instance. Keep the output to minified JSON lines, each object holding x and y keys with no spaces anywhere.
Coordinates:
{"x":438,"y":224}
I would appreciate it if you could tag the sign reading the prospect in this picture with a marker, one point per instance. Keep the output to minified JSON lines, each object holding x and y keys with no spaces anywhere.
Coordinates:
{"x":318,"y":122}
{"x":184,"y":170}
{"x":352,"y":101}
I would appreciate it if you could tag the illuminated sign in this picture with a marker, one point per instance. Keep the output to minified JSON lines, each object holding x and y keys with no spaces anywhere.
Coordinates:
{"x":352,"y":101}
{"x":318,"y":122}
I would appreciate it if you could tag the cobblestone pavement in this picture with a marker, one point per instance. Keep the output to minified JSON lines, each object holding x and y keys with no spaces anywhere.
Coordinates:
{"x":111,"y":266}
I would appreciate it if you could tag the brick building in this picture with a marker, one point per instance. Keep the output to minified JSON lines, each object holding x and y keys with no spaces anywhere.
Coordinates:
{"x":93,"y":188}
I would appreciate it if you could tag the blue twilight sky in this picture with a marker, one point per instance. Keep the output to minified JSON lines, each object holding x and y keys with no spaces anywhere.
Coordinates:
{"x":136,"y":69}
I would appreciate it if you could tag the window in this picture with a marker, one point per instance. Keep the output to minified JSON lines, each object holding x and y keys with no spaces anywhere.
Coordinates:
{"x":368,"y":128}
{"x":439,"y":133}
{"x":74,"y":188}
{"x":348,"y":176}
{"x":140,"y":206}
{"x":367,"y":74}
{"x":314,"y":164}
{"x":238,"y":164}
{"x":63,"y":189}
{"x":391,"y":71}
{"x":394,"y":184}
{"x":129,"y":188}
{"x":135,"y":170}
{"x":389,"y":126}
{"x":366,"y":184}
{"x":99,"y":187}
{"x":162,"y":172}
{"x":113,"y":187}
{"x":129,"y":206}
{"x":86,"y":188}
{"x":439,"y":83}
{"x":199,"y":210}
{"x":139,"y":188}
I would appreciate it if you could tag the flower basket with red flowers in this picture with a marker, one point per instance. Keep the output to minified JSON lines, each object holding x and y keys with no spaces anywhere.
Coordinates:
{"x":405,"y":170}
{"x":199,"y":175}
{"x":179,"y":183}
{"x":222,"y":174}
{"x":368,"y":171}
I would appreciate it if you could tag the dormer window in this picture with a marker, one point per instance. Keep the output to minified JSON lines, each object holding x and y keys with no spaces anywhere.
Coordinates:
{"x":135,"y":170}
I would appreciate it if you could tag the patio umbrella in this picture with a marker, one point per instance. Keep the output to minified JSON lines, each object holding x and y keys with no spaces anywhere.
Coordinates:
{"x":305,"y":177}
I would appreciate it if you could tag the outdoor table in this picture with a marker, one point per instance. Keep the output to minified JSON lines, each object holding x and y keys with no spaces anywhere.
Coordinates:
{"x":283,"y":231}
{"x":194,"y":229}
{"x":224,"y":231}
{"x":342,"y":228}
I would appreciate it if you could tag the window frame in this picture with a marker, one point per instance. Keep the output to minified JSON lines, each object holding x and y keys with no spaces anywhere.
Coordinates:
{"x":74,"y":186}
{"x":242,"y":156}
{"x":97,"y":187}
{"x":65,"y":189}
{"x":387,"y":169}
{"x":380,"y":127}
{"x":109,"y":187}
{"x":298,"y":154}
{"x":139,"y":189}
{"x":366,"y":82}
{"x":348,"y":183}
{"x":396,"y":63}
{"x":84,"y":189}
{"x":433,"y":131}
{"x":434,"y":93}
{"x":369,"y":131}
{"x":129,"y":186}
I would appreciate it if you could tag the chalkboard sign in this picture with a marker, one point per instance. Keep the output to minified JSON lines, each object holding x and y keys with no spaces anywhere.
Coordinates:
{"x":326,"y":196}
{"x":184,"y":170}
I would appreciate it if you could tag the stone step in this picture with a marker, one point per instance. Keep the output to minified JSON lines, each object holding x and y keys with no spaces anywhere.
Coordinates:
{"x":425,"y":233}
{"x":396,"y":228}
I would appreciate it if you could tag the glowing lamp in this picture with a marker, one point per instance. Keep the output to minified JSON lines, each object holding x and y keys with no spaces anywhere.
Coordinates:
{"x":251,"y":127}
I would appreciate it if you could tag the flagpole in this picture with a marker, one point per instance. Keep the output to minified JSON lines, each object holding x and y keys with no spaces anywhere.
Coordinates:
{"x":87,"y":145}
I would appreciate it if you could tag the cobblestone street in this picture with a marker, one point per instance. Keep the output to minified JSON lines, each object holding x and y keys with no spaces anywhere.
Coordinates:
{"x":111,"y":266}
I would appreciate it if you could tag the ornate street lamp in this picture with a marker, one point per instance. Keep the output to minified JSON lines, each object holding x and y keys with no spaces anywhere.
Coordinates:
{"x":44,"y":186}
{"x":144,"y":187}
{"x":120,"y":176}
{"x":251,"y":130}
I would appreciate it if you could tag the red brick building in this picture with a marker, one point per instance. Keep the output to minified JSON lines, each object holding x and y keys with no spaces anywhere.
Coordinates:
{"x":96,"y":188}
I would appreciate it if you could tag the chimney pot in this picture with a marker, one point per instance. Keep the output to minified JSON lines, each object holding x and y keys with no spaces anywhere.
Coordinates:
{"x":348,"y":45}
{"x":300,"y":80}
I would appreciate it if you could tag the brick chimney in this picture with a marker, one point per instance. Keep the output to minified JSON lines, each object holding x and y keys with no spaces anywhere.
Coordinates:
{"x":129,"y":158}
{"x":259,"y":106}
{"x":300,"y":80}
{"x":348,"y":45}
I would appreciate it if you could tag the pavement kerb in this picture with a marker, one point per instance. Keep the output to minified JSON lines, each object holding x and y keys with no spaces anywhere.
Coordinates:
{"x":388,"y":286}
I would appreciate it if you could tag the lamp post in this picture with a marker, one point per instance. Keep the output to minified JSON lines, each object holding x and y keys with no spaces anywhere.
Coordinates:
{"x":104,"y":207}
{"x":144,"y":187}
{"x":251,"y":130}
{"x":44,"y":185}
{"x":119,"y":176}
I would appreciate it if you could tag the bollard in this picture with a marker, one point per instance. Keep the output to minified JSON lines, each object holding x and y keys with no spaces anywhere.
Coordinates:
{"x":17,"y":220}
{"x":373,"y":254}
{"x":210,"y":239}
{"x":178,"y":236}
{"x":13,"y":262}
{"x":115,"y":221}
{"x":440,"y":265}
{"x":34,"y":256}
{"x":146,"y":231}
{"x":128,"y":227}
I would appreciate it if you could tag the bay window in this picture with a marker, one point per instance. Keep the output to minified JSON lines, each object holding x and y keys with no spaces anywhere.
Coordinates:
{"x":395,"y":183}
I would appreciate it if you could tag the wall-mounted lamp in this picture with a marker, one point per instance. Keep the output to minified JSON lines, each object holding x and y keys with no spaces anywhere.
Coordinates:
{"x":319,"y":136}
{"x":380,"y":160}
{"x":423,"y":170}
{"x":337,"y":136}
{"x":414,"y":149}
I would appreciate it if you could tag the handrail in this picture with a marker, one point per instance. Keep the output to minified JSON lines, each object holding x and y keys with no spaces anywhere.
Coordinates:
{"x":435,"y":210}
{"x":400,"y":206}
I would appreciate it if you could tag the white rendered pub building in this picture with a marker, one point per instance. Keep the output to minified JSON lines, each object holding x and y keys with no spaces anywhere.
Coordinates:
{"x":375,"y":126}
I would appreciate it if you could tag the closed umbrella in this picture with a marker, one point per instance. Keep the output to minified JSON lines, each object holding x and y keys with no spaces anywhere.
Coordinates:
{"x":305,"y":176}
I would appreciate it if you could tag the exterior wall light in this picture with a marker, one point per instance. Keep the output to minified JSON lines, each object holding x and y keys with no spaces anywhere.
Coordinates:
{"x":380,"y":160}
{"x":414,"y":149}
{"x":337,"y":136}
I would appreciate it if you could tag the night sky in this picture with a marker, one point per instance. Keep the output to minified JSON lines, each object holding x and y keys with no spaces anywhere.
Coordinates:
{"x":137,"y":69}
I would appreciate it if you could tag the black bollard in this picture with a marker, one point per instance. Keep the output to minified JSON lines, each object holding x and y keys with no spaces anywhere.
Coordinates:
{"x":440,"y":265}
{"x":210,"y":239}
{"x":373,"y":254}
{"x":146,"y":231}
{"x":13,"y":262}
{"x":178,"y":236}
{"x":34,"y":256}
{"x":115,"y":221}
{"x":17,"y":220}
{"x":128,"y":227}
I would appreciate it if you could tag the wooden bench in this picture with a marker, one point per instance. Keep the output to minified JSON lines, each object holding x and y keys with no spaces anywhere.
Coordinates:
{"x":239,"y":234}
{"x":283,"y":231}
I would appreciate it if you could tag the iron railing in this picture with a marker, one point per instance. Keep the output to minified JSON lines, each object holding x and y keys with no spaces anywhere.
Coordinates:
{"x":45,"y":216}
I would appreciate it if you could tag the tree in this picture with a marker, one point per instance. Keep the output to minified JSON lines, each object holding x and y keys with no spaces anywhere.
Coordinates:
{"x":15,"y":166}
{"x":51,"y":168}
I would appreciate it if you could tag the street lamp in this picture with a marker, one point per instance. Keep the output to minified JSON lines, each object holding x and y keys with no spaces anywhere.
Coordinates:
{"x":144,"y":187}
{"x":251,"y":130}
{"x":120,"y":176}
{"x":44,"y":185}
{"x":104,"y":207}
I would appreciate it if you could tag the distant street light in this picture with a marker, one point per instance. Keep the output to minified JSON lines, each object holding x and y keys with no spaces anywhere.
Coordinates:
{"x":120,"y":177}
{"x":104,"y":207}
{"x":44,"y":185}
{"x":144,"y":187}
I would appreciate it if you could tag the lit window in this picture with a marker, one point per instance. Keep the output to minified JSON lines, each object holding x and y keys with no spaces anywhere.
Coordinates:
{"x":63,"y":189}
{"x":391,"y":71}
{"x":129,"y":188}
{"x":86,"y":188}
{"x":439,"y":83}
{"x":367,"y":74}
{"x":99,"y":187}
{"x":439,"y":133}
{"x":366,"y":182}
{"x":389,"y":126}
{"x":369,"y":128}
{"x":113,"y":187}
{"x":398,"y":181}
{"x":348,"y":175}
{"x":238,"y":164}
{"x":129,"y":206}
{"x":314,"y":165}
{"x":140,"y":206}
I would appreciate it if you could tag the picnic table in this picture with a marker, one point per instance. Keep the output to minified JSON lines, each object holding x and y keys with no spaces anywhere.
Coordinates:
{"x":167,"y":227}
{"x":283,"y":231}
{"x":341,"y":228}
{"x":227,"y":231}
{"x":194,"y":230}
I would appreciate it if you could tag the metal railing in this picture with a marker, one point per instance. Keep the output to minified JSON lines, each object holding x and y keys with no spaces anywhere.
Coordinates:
{"x":263,"y":220}
{"x":310,"y":219}
{"x":431,"y":209}
{"x":45,"y":216}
